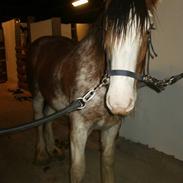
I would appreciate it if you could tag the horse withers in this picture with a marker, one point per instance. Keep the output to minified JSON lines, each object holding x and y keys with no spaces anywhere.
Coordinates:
{"x":60,"y":70}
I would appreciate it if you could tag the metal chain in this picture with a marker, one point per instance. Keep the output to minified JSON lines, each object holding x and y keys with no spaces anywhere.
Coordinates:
{"x":91,"y":93}
{"x":160,"y":85}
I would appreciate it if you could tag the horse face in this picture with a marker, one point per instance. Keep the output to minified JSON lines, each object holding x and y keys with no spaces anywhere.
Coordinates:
{"x":123,"y":51}
{"x":126,"y":23}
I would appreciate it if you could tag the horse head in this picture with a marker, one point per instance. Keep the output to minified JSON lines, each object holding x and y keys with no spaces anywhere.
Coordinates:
{"x":126,"y":25}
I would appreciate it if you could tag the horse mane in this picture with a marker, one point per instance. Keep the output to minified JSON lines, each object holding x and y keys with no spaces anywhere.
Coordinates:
{"x":121,"y":11}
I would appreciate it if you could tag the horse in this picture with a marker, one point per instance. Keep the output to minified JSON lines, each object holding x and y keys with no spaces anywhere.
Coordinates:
{"x":61,"y":70}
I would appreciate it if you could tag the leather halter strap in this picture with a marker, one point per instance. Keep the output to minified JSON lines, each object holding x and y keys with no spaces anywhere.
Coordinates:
{"x":116,"y":72}
{"x":125,"y":73}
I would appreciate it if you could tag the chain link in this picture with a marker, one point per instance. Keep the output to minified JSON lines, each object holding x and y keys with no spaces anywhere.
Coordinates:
{"x":160,"y":85}
{"x":91,"y":93}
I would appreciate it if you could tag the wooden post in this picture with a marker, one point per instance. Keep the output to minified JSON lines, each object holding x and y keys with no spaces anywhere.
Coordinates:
{"x":3,"y":67}
{"x":29,"y":21}
{"x":17,"y":33}
{"x":21,"y":53}
{"x":74,"y":32}
{"x":56,"y":26}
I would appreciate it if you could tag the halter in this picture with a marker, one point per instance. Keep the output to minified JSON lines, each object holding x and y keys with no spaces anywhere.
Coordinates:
{"x":145,"y":78}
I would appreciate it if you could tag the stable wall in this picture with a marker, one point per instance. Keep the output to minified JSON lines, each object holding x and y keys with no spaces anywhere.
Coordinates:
{"x":44,"y":28}
{"x":41,"y":28}
{"x":9,"y":37}
{"x":82,"y":30}
{"x":158,"y":118}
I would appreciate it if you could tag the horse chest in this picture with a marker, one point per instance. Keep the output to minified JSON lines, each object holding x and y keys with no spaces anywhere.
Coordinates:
{"x":96,"y":111}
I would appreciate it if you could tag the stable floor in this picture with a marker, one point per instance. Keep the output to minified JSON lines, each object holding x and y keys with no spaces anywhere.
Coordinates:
{"x":135,"y":163}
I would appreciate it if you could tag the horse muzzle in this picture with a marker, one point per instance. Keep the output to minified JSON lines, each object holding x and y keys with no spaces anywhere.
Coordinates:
{"x":120,"y":109}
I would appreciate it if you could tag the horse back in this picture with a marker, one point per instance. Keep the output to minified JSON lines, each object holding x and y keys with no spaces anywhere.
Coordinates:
{"x":44,"y":60}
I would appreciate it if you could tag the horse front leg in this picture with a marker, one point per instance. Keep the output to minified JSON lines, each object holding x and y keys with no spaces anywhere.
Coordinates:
{"x":79,"y":134}
{"x":108,"y":137}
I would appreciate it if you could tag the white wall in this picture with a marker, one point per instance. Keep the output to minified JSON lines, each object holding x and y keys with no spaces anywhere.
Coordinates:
{"x":158,"y":120}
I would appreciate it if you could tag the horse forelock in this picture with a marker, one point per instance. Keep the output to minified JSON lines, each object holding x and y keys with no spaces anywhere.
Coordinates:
{"x":119,"y":13}
{"x":124,"y":16}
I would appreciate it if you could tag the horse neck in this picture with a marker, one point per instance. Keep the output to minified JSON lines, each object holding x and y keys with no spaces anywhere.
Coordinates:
{"x":83,"y":68}
{"x":91,"y":62}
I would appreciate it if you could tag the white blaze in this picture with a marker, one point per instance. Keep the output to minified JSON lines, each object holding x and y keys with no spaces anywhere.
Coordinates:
{"x":121,"y":95}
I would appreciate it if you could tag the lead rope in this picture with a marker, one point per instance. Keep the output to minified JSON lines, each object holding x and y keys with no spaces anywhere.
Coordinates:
{"x":78,"y":104}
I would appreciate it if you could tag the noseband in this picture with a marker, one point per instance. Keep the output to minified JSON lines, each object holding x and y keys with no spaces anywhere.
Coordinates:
{"x":125,"y":73}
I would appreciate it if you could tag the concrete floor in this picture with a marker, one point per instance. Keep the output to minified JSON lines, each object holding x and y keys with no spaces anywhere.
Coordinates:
{"x":135,"y":163}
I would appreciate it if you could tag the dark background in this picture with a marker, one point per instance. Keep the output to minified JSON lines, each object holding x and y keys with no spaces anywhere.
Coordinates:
{"x":44,"y":9}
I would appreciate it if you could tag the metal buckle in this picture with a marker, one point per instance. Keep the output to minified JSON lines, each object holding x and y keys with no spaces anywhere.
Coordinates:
{"x":86,"y":98}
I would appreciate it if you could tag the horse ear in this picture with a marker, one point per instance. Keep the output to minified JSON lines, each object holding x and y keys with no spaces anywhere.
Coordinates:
{"x":107,"y":2}
{"x":151,"y":4}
